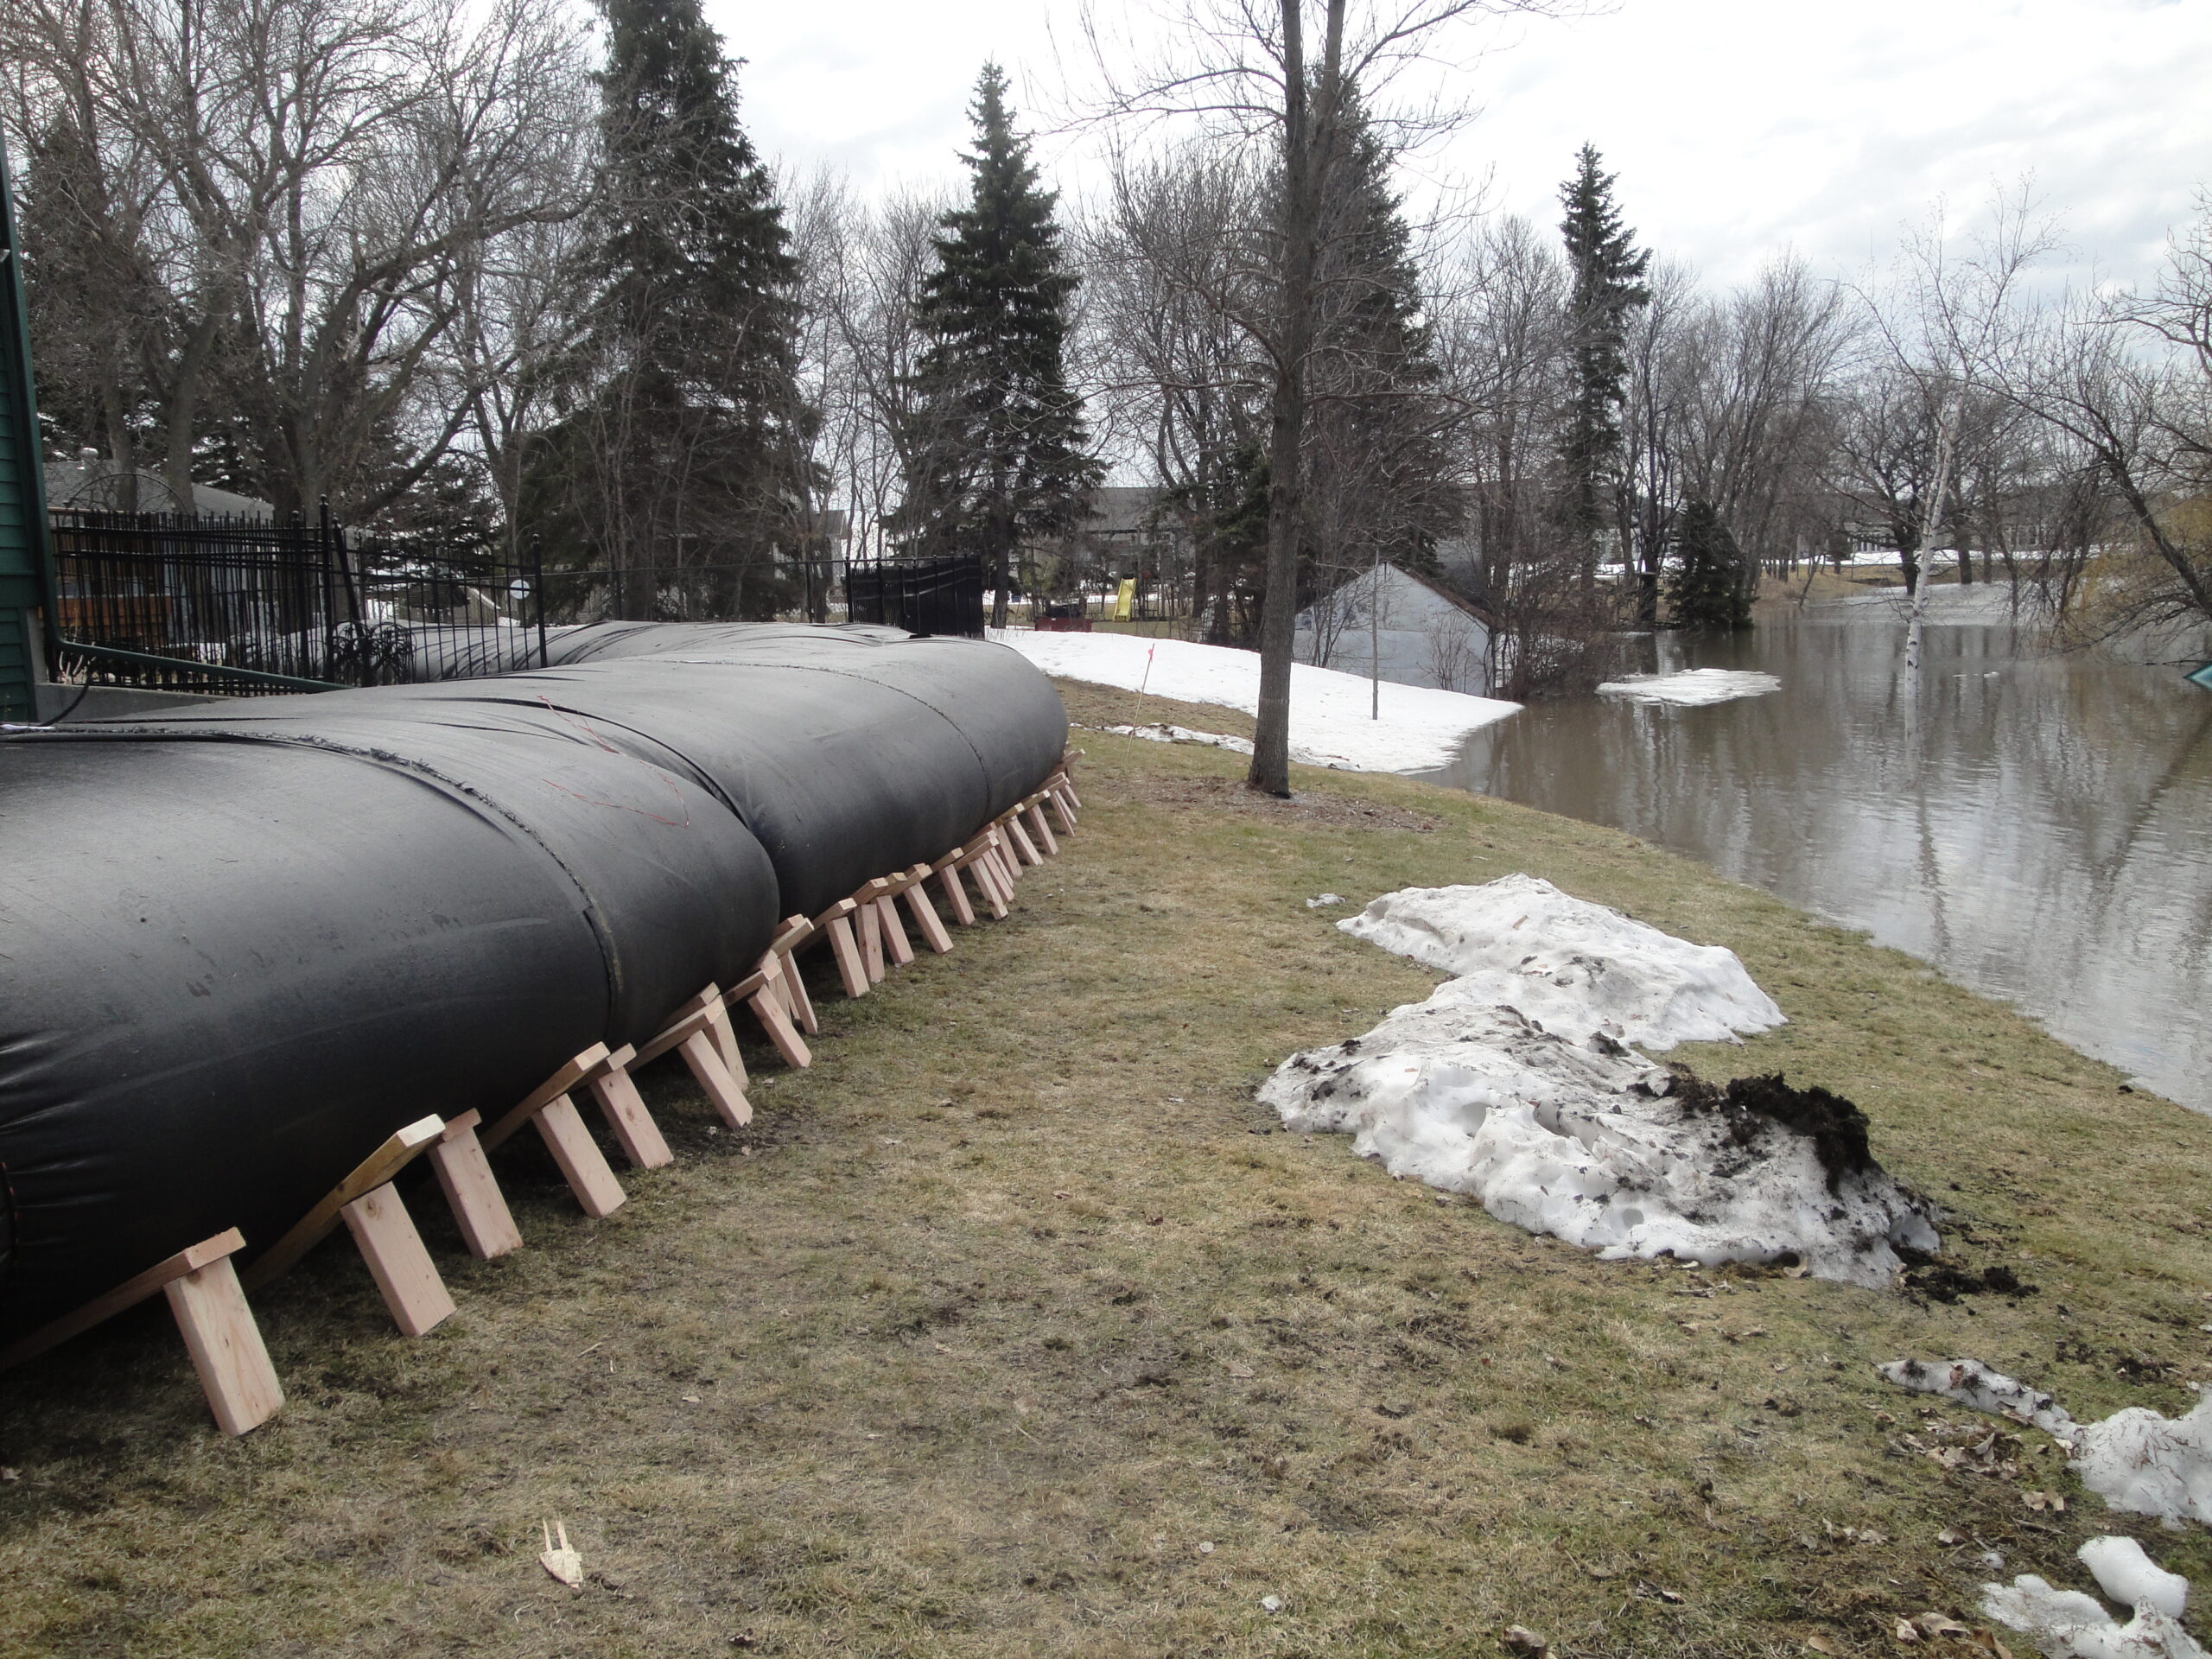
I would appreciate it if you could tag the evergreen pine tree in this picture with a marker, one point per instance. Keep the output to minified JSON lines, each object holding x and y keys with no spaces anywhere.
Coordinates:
{"x":995,"y":451}
{"x":1708,"y":594}
{"x":681,"y":452}
{"x":1380,"y":486}
{"x":1608,"y":277}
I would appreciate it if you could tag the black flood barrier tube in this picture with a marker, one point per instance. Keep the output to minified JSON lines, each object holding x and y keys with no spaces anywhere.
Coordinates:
{"x":241,"y":945}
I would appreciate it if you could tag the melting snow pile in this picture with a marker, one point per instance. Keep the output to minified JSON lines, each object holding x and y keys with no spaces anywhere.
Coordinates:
{"x":1333,"y":721}
{"x":1164,"y":733}
{"x":1513,"y":1083}
{"x":2069,"y":1624}
{"x":1694,"y":688}
{"x":2136,"y":1459}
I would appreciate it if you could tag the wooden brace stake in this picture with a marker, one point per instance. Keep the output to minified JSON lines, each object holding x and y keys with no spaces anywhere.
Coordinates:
{"x":869,"y":921}
{"x":796,"y":931}
{"x":956,"y":891}
{"x":487,"y":1226}
{"x":561,"y":1128}
{"x":372,"y":1212}
{"x":624,"y":1109}
{"x":896,"y":944}
{"x":771,"y":1006}
{"x":837,"y":922}
{"x":924,"y":913}
{"x":1041,"y":831}
{"x":202,"y":1288}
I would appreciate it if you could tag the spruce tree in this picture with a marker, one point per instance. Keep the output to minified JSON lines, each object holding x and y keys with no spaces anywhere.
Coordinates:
{"x":680,"y":451}
{"x":1709,"y":589}
{"x":1608,"y":273}
{"x":1381,"y":478}
{"x":995,"y":449}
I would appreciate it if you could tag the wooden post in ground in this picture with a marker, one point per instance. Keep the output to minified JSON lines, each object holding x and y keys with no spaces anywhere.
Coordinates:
{"x":201,"y":1286}
{"x":837,"y":922}
{"x":896,"y":945}
{"x":954,"y":891}
{"x":870,"y":922}
{"x":771,"y":1006}
{"x":1041,"y":831}
{"x":487,"y":1226}
{"x":692,"y":1035}
{"x":372,"y":1212}
{"x":624,"y":1109}
{"x":1020,"y":837}
{"x":926,"y":917}
{"x":797,"y":929}
{"x":561,"y":1128}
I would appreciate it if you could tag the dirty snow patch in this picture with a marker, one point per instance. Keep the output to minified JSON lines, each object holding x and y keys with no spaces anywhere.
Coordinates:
{"x":1322,"y":900}
{"x":1167,"y":733}
{"x":2070,"y":1625}
{"x":1513,"y":1084}
{"x":1574,"y":968}
{"x":1330,"y":722}
{"x":2137,"y":1459}
{"x":1694,"y":688}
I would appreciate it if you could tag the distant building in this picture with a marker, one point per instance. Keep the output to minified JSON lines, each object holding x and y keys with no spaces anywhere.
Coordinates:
{"x":1421,"y":634}
{"x":93,"y":483}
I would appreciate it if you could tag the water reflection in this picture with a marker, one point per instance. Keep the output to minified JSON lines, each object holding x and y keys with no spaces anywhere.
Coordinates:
{"x":2037,"y":827}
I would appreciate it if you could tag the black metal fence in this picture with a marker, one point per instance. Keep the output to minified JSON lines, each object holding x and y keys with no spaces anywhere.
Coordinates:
{"x":942,"y":595}
{"x":212,"y":604}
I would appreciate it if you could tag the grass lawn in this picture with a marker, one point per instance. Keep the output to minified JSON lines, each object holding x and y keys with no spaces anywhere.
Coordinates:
{"x":1012,"y":1328}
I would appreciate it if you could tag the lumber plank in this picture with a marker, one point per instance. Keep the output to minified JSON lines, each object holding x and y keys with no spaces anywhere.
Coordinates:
{"x":571,"y":1073}
{"x":226,"y":1345}
{"x":924,"y":913}
{"x":1041,"y":831}
{"x":582,"y":1165}
{"x":131,"y":1291}
{"x":775,"y":1020}
{"x":624,"y":1109}
{"x":896,"y":944}
{"x":843,"y":946}
{"x":406,"y":1277}
{"x":956,"y":893}
{"x":372,"y":1171}
{"x":487,"y":1226}
{"x":868,"y":922}
{"x":714,"y":1079}
{"x":1022,"y":844}
{"x":797,"y":1002}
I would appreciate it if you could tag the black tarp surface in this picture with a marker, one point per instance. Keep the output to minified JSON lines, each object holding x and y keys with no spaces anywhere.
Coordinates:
{"x":241,"y":945}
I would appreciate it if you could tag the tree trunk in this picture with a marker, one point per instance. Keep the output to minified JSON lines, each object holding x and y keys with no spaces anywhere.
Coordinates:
{"x":1306,"y":152}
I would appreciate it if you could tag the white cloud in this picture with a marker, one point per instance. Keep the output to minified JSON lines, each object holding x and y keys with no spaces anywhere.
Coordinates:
{"x":1736,"y":126}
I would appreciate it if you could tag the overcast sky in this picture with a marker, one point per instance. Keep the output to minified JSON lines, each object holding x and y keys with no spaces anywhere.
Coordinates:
{"x":1737,"y":127}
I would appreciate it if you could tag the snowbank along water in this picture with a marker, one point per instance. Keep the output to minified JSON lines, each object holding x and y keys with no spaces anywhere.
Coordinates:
{"x":1694,"y":688}
{"x":1514,"y":1084}
{"x":1332,"y":721}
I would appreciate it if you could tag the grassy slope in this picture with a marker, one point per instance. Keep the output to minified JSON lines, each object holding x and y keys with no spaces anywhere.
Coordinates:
{"x":1010,"y":1307}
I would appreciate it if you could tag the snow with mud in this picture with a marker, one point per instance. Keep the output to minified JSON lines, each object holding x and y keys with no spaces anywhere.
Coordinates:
{"x":2137,"y":1459}
{"x":2071,"y":1624}
{"x":1514,"y":1084}
{"x":1333,"y":716}
{"x":1694,"y":688}
{"x":1165,"y":733}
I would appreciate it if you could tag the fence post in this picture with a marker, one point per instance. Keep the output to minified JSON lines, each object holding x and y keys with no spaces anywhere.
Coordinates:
{"x":538,"y":589}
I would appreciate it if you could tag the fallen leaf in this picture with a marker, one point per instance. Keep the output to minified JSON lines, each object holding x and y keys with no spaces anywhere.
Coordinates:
{"x":1935,"y":1624}
{"x":1519,"y":1638}
{"x":2049,"y":1502}
{"x":1205,"y":1549}
{"x":1271,"y":1604}
{"x":1063,"y":1195}
{"x":1904,"y":1632}
{"x":1821,"y":1644}
{"x":1950,"y":1536}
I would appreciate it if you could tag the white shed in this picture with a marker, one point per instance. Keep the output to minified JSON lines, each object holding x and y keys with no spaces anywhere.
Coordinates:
{"x":1420,"y":633}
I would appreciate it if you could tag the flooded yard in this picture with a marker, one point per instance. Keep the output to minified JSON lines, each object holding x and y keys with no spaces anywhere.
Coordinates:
{"x":2039,"y":827}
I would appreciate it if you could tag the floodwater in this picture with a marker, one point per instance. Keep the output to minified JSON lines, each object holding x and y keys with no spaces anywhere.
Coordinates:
{"x":2039,"y":829}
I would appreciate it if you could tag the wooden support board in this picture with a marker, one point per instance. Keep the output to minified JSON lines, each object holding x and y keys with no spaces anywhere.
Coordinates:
{"x":406,"y":1275}
{"x":372,"y":1171}
{"x":837,"y":922}
{"x":624,"y":1109}
{"x":202,"y":1288}
{"x":924,"y":913}
{"x":954,"y":890}
{"x":1041,"y":831}
{"x":796,"y":930}
{"x":868,"y":922}
{"x":896,"y":944}
{"x":1022,"y":844}
{"x":549,"y":1107}
{"x":487,"y":1226}
{"x":771,"y":1006}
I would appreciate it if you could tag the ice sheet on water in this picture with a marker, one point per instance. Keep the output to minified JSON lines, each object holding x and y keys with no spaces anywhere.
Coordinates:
{"x":2137,"y":1459}
{"x":1694,"y":688}
{"x":1513,"y":1084}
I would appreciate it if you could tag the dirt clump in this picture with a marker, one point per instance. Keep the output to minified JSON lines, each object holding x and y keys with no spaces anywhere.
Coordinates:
{"x":1752,"y":1106}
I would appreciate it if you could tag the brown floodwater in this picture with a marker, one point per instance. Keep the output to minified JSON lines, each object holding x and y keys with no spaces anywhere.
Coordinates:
{"x":2038,"y":827}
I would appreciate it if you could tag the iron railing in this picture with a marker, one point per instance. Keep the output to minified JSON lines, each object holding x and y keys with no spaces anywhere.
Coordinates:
{"x":246,"y":606}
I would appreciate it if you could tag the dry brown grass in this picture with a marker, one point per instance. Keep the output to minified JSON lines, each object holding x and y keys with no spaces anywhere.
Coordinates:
{"x":1011,"y":1306}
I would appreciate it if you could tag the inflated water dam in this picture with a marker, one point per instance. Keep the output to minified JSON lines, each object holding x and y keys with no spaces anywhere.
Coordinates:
{"x":243,"y":943}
